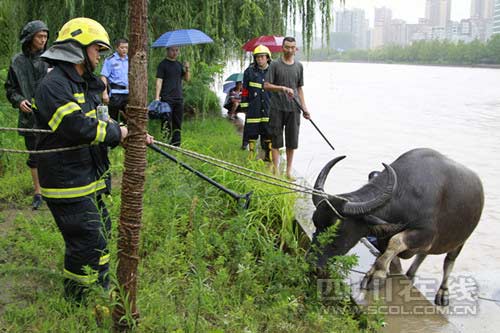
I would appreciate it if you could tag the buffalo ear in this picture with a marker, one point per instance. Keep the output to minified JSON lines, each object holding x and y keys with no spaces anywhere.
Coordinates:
{"x":373,"y":174}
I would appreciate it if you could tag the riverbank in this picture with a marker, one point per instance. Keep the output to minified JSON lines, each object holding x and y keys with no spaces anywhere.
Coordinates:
{"x":206,"y":265}
{"x":493,"y":66}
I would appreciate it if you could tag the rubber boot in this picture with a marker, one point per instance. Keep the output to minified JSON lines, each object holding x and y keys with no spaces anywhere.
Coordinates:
{"x":251,"y":149}
{"x":268,"y":156}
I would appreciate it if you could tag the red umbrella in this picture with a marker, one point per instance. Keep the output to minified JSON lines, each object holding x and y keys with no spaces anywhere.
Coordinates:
{"x":274,"y":43}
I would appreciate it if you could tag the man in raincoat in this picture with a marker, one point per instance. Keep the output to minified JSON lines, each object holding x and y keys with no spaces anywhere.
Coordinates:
{"x":25,"y":73}
{"x":73,"y":181}
{"x":256,"y":99}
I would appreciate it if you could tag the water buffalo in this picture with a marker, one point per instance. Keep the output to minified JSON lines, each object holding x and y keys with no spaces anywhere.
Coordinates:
{"x":423,"y":203}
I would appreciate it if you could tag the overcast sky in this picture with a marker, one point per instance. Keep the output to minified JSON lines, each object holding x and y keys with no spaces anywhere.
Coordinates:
{"x":408,"y":10}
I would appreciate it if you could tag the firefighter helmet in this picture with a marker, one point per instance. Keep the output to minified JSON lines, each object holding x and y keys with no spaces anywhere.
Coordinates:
{"x":261,"y":49}
{"x":85,"y":31}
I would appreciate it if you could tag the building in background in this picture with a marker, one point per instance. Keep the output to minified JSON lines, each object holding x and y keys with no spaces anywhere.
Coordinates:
{"x":351,"y":24}
{"x":381,"y":24}
{"x":438,"y":12}
{"x":482,"y":9}
{"x":352,"y":28}
{"x":481,"y":15}
{"x":397,"y":33}
{"x":496,"y":17}
{"x":418,"y":32}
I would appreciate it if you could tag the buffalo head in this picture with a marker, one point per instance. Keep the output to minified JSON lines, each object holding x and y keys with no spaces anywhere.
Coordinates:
{"x":350,"y":212}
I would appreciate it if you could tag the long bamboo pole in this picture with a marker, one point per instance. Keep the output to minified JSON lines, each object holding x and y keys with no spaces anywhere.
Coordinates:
{"x":133,"y":175}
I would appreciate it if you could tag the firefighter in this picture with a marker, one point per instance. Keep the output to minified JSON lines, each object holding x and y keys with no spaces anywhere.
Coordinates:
{"x":73,"y":181}
{"x":256,"y":99}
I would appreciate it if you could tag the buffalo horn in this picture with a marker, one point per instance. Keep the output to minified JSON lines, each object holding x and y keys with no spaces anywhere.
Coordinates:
{"x":320,"y":181}
{"x":365,"y":207}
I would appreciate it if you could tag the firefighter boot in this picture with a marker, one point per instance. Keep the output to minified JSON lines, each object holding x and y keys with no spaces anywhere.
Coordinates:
{"x":268,"y":157}
{"x":251,"y":149}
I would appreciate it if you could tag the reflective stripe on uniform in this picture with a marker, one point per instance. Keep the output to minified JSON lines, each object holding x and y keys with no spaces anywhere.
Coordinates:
{"x":243,"y":105}
{"x":253,"y":120}
{"x":80,"y":98}
{"x":83,"y":279}
{"x":100,"y":134}
{"x":73,"y":192}
{"x":61,"y":112}
{"x":257,"y":120}
{"x":91,"y":114}
{"x":103,"y":260}
{"x":255,"y":84}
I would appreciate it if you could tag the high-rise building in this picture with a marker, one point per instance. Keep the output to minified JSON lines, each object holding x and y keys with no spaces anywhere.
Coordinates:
{"x":382,"y":21}
{"x":496,"y":18}
{"x":482,"y":9}
{"x":437,"y":12}
{"x":353,"y":22}
{"x":397,"y":33}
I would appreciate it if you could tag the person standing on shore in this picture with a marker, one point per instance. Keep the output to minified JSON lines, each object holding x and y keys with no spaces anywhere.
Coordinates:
{"x":169,"y":76}
{"x":285,"y":78}
{"x":257,"y":115}
{"x":114,"y":74}
{"x":74,"y":181}
{"x":25,"y":73}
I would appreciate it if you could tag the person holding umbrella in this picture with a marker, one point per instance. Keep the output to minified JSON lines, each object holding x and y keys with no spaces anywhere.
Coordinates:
{"x":285,"y":79}
{"x":233,"y":99}
{"x":169,"y":76}
{"x":257,"y":116}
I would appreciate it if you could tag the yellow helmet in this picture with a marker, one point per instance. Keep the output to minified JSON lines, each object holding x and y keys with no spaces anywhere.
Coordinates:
{"x":85,"y":31}
{"x":261,"y":49}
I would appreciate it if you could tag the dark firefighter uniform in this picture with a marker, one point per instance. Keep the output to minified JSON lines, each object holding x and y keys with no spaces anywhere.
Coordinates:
{"x":256,"y":101}
{"x":72,"y":181}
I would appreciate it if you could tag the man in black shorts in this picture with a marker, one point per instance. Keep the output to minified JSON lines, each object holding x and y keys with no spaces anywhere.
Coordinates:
{"x":285,"y":79}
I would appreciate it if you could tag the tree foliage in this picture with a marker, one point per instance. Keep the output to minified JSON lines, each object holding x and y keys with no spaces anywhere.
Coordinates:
{"x":229,"y":22}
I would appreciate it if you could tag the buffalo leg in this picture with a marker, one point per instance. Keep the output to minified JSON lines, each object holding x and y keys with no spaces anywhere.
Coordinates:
{"x":442,"y":296}
{"x":415,"y":265}
{"x":395,"y":267}
{"x":378,"y":273}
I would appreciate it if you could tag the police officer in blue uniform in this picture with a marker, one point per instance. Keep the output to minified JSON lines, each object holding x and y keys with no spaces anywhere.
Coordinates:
{"x":114,"y":74}
{"x":257,"y":100}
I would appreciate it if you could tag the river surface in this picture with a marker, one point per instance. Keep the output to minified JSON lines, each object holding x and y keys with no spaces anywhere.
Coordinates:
{"x":374,"y":112}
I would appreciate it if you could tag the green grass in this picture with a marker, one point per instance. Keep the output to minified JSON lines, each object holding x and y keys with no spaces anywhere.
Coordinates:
{"x":206,"y":264}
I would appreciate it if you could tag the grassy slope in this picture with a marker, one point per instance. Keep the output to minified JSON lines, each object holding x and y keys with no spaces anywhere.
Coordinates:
{"x":206,"y":266}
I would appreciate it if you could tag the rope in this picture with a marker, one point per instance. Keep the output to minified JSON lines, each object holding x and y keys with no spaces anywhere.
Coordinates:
{"x":219,"y":163}
{"x":33,"y":130}
{"x":55,"y":150}
{"x":293,"y":187}
{"x":332,"y":208}
{"x":356,"y":271}
{"x":488,"y":299}
{"x":30,"y":130}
